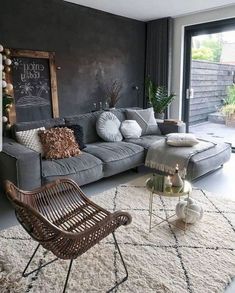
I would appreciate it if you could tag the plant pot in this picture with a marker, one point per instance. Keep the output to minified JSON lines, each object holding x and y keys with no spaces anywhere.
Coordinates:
{"x":160,"y":116}
{"x":230,"y":120}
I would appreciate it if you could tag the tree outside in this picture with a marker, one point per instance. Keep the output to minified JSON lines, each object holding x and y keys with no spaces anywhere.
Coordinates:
{"x":207,"y":47}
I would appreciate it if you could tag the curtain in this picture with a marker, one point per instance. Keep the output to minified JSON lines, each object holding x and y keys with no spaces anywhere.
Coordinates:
{"x":159,"y":52}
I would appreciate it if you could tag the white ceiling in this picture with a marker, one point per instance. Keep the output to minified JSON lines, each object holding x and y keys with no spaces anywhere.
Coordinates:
{"x":152,"y":9}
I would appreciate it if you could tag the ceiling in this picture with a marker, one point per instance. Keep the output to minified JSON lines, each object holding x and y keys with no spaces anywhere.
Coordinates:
{"x":152,"y":9}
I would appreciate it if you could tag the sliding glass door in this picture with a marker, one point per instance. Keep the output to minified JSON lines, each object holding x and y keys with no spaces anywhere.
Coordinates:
{"x":209,"y":80}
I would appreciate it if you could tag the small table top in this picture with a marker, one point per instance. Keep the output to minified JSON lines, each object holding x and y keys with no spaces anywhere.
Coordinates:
{"x":170,"y":191}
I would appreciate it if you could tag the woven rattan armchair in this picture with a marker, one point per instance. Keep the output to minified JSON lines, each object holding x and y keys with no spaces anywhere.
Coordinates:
{"x":64,"y":221}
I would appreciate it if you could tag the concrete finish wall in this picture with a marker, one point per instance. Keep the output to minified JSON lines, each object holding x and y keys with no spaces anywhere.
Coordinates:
{"x":92,"y":48}
{"x":178,"y":48}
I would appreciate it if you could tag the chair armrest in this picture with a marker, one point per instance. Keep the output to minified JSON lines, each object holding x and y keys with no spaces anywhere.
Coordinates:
{"x":20,"y":165}
{"x":171,"y":128}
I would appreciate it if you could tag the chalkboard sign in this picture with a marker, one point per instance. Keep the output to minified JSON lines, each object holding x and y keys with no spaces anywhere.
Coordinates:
{"x":33,"y":77}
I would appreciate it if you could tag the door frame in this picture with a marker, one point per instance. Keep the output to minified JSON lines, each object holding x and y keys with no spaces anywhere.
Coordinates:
{"x":189,"y":32}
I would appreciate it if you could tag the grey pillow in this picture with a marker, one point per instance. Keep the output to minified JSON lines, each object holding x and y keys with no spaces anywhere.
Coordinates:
{"x":107,"y":127}
{"x":146,"y":120}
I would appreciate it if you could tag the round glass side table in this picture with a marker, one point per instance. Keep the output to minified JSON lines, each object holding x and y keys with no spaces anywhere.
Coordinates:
{"x":166,"y":191}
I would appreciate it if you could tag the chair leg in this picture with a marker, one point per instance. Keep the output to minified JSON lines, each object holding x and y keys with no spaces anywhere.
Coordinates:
{"x":124,"y":265}
{"x":67,"y":278}
{"x":24,"y":274}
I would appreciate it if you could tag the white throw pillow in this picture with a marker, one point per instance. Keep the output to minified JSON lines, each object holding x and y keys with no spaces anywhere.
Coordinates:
{"x":107,"y":127}
{"x":146,"y":120}
{"x":181,"y":139}
{"x":130,"y":129}
{"x":30,"y":139}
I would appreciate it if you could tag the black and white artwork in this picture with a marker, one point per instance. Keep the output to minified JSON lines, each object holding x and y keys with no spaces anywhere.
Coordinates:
{"x":32,"y":92}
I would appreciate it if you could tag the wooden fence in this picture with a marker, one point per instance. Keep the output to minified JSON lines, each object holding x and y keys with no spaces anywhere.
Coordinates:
{"x":209,"y":81}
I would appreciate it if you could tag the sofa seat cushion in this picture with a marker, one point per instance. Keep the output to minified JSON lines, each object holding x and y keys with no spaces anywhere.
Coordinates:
{"x":84,"y":169}
{"x":117,"y":156}
{"x":208,"y":160}
{"x":145,"y":141}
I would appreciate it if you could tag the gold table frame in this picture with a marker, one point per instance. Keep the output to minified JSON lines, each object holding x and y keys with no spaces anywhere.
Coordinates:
{"x":185,"y":190}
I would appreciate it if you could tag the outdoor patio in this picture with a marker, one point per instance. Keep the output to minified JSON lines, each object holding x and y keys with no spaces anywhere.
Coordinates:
{"x":215,"y":131}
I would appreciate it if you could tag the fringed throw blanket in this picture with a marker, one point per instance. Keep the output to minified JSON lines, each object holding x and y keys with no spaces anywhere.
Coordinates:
{"x":163,"y":157}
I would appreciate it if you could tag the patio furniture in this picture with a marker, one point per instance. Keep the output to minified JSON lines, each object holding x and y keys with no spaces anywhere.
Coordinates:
{"x":64,"y":221}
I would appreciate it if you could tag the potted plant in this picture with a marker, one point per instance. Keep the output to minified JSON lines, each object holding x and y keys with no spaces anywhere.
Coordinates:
{"x":228,"y":109}
{"x":158,"y":98}
{"x":113,"y":93}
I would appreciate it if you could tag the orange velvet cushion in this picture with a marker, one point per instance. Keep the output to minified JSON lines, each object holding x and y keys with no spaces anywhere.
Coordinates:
{"x":59,"y":143}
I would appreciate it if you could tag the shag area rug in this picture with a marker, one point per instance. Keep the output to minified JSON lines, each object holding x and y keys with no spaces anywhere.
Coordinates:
{"x":166,"y":260}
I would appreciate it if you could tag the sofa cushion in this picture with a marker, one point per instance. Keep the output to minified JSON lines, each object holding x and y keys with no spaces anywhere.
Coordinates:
{"x":117,"y":156}
{"x":58,"y":143}
{"x":47,"y":123}
{"x":130,"y":129}
{"x":107,"y":127}
{"x":83,"y":169}
{"x":208,"y":160}
{"x":88,"y":123}
{"x":181,"y":139}
{"x":145,"y":118}
{"x":145,"y":141}
{"x":30,"y":139}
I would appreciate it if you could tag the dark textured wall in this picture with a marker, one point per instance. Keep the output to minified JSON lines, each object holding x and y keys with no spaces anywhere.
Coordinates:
{"x":92,"y":48}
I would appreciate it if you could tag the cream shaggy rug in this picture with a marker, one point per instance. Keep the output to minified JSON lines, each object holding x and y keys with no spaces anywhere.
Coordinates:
{"x":166,"y":260}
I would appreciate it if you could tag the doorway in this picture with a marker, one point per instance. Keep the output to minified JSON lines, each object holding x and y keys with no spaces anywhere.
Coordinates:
{"x":209,"y":80}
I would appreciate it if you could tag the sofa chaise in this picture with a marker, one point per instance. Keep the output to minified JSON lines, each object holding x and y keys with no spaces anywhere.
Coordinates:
{"x":99,"y":159}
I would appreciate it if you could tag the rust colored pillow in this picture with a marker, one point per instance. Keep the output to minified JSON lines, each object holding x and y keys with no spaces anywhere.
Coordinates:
{"x":59,"y":143}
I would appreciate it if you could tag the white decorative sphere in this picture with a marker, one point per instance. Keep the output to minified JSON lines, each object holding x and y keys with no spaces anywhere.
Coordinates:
{"x":4,"y":119}
{"x":1,"y":48}
{"x":9,"y":86}
{"x":1,"y":67}
{"x":130,"y":129}
{"x":4,"y":83}
{"x":189,"y":211}
{"x":8,"y":61}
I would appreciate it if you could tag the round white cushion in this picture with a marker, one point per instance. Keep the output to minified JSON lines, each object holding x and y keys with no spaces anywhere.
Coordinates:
{"x":130,"y":129}
{"x":107,"y":127}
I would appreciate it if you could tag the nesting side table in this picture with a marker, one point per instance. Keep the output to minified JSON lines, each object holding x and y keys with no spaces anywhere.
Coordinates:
{"x":179,"y":192}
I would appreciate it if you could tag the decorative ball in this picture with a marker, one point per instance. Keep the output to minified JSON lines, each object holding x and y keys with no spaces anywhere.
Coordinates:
{"x":7,"y":52}
{"x":8,"y":69}
{"x":4,"y":119}
{"x":4,"y":83}
{"x":1,"y":67}
{"x":8,"y":126}
{"x":8,"y":61}
{"x":9,"y":86}
{"x":189,"y":211}
{"x":6,"y":91}
{"x":3,"y":75}
{"x":4,"y":57}
{"x":1,"y":48}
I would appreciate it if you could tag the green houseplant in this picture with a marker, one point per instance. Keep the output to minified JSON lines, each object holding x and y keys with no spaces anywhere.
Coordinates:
{"x":158,"y":98}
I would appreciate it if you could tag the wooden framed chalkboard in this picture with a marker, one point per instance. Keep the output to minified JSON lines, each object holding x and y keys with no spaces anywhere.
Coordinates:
{"x":33,"y":75}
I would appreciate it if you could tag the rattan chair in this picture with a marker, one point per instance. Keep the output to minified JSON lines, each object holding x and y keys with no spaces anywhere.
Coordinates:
{"x":64,"y":221}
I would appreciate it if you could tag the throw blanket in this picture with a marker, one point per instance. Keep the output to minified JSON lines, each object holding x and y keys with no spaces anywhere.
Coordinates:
{"x":163,"y":157}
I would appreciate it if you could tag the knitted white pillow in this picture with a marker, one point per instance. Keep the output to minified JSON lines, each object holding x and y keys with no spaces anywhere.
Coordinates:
{"x":30,"y":139}
{"x":130,"y":129}
{"x":107,"y":127}
{"x":181,"y":139}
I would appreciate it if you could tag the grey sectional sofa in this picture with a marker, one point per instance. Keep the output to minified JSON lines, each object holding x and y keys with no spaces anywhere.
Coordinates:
{"x":99,"y":159}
